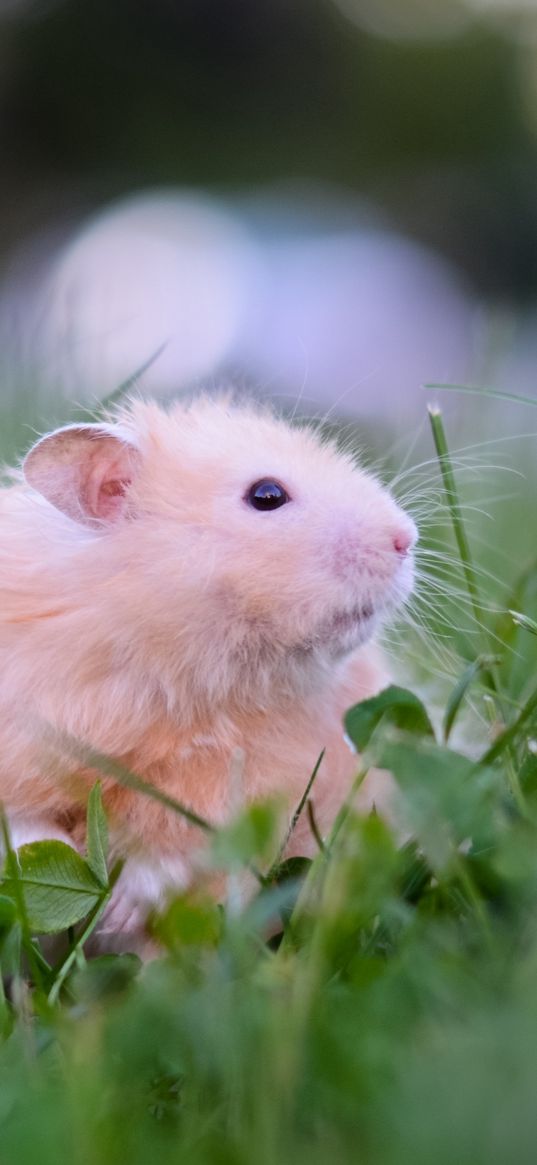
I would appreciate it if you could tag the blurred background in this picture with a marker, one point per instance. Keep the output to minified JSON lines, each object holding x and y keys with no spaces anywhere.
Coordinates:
{"x":332,"y":201}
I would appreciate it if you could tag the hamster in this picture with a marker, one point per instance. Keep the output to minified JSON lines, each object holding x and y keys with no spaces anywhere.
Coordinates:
{"x":179,"y":588}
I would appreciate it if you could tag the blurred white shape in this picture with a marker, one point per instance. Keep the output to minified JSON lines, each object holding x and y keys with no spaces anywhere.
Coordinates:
{"x":429,"y":20}
{"x":358,"y":321}
{"x":518,"y":20}
{"x":515,"y":366}
{"x":407,"y":19}
{"x":297,"y":291}
{"x":155,"y":269}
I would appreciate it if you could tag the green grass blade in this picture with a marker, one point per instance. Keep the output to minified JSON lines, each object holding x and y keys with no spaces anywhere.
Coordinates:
{"x":13,"y":870}
{"x":124,"y":776}
{"x":524,"y":621}
{"x":474,"y":390}
{"x":296,"y":817}
{"x":122,"y":389}
{"x":461,"y":687}
{"x":507,"y":738}
{"x":314,"y":827}
{"x":463,"y":545}
{"x":97,"y":835}
{"x":452,"y":497}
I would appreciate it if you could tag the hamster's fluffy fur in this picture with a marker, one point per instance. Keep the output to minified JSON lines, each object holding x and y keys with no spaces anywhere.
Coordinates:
{"x":148,"y":611}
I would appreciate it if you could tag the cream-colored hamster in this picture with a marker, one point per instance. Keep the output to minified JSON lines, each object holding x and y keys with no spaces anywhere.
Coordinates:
{"x":176,"y":586}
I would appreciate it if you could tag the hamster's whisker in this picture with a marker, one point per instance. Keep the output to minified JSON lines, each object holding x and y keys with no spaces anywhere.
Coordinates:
{"x":442,"y":652}
{"x":476,"y":625}
{"x":448,"y":586}
{"x":438,"y":592}
{"x":442,"y":561}
{"x":304,"y":381}
{"x":462,"y":454}
{"x":439,"y":619}
{"x":432,"y":490}
{"x":382,"y":464}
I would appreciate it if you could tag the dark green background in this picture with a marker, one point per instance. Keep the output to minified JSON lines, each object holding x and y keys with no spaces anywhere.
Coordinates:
{"x":102,"y":98}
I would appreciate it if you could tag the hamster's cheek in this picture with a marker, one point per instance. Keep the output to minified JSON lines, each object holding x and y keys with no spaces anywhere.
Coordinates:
{"x":264,"y":576}
{"x":318,"y":583}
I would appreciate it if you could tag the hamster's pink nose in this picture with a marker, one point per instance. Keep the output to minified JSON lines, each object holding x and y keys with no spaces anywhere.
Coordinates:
{"x":403,"y":539}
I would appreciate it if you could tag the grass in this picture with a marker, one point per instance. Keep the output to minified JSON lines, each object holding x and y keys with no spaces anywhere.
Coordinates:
{"x":392,"y":1016}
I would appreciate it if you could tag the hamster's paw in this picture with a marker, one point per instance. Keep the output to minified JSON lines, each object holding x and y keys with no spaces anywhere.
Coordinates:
{"x":23,"y":830}
{"x":143,"y":886}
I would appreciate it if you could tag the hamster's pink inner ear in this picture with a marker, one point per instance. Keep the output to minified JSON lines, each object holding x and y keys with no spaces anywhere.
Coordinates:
{"x":84,"y":471}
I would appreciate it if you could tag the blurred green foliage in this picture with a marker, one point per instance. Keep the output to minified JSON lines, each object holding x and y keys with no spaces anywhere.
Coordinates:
{"x":396,"y":1020}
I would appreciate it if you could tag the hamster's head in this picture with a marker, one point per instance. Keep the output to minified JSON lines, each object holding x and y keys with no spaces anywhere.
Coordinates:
{"x":254,"y":552}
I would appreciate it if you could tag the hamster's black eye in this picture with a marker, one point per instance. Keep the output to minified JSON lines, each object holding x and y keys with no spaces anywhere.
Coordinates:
{"x":267,"y":495}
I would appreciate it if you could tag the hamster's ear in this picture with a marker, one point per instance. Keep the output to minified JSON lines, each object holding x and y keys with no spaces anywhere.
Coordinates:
{"x":83,"y":470}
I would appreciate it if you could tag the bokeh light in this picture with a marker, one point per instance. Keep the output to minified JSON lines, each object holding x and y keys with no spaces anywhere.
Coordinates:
{"x":159,"y":270}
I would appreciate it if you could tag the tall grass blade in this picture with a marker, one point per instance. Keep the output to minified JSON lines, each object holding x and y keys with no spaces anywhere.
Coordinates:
{"x":122,"y":389}
{"x":461,"y":687}
{"x":524,"y":621}
{"x":475,"y":390}
{"x":296,"y":817}
{"x":507,"y":738}
{"x":124,"y":776}
{"x":463,"y":545}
